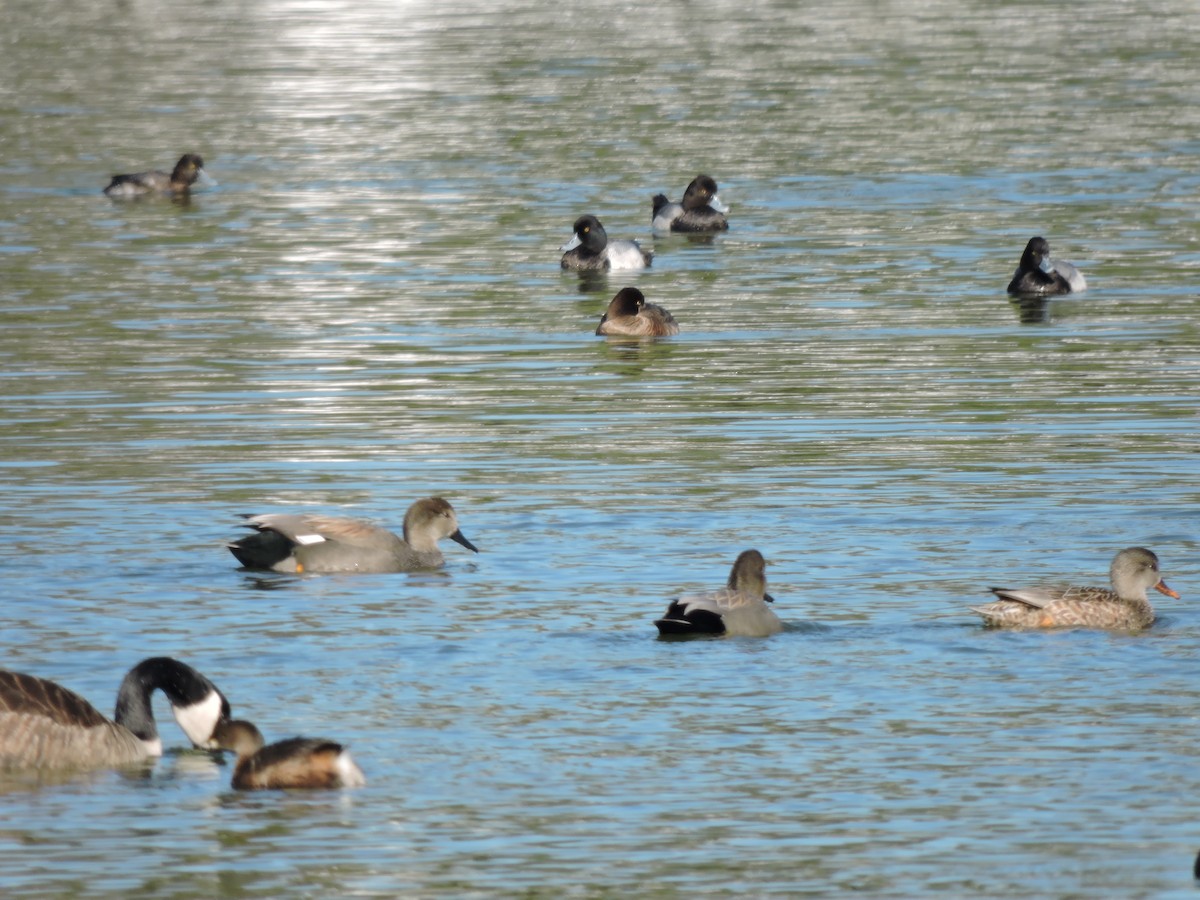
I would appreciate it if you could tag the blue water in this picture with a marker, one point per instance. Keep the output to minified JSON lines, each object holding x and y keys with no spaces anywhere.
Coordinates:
{"x":368,"y":308}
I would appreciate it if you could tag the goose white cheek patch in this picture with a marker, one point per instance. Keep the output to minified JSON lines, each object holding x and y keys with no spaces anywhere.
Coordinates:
{"x":309,"y":539}
{"x":199,"y":719}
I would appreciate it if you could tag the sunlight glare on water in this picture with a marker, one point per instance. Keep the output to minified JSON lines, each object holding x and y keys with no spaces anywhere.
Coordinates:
{"x":368,"y":308}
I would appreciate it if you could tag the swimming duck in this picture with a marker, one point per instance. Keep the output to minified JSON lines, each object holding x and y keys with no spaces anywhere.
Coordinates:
{"x":701,"y":209}
{"x":629,"y":314}
{"x":1125,"y":607}
{"x":309,"y":543}
{"x":140,"y":184}
{"x":294,"y":763}
{"x":1039,"y":275}
{"x":590,"y":249}
{"x":738,"y":609}
{"x":46,"y":726}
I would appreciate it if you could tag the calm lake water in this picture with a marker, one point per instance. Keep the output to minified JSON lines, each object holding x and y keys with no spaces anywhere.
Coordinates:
{"x":368,"y":308}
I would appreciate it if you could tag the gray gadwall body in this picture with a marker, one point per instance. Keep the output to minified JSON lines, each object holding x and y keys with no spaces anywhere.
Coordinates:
{"x":1124,"y":607}
{"x":293,"y":763}
{"x":187,"y":171}
{"x":700,"y":211}
{"x":591,"y":250}
{"x":629,"y":315}
{"x":1038,"y":275}
{"x":45,"y":726}
{"x":738,"y":609}
{"x":287,"y":542}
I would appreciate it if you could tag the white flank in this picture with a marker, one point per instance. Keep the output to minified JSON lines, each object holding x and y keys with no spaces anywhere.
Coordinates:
{"x":351,"y":774}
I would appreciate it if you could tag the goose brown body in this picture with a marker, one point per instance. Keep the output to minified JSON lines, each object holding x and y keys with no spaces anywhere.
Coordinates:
{"x":46,"y":726}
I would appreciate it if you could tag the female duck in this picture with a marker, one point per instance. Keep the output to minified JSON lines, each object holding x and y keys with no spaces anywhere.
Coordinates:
{"x":1038,"y":275}
{"x":630,"y":315}
{"x":700,"y":211}
{"x":1125,"y":607}
{"x":591,"y":250}
{"x":45,"y":726}
{"x":140,"y":184}
{"x":308,"y":543}
{"x":739,"y":609}
{"x":295,"y":763}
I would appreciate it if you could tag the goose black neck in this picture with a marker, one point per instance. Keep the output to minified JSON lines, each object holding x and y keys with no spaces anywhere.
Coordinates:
{"x":182,"y":684}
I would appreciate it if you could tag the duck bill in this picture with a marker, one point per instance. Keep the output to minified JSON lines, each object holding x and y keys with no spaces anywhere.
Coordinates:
{"x":716,"y":204}
{"x":458,"y":538}
{"x":1162,"y":588}
{"x":202,"y":177}
{"x":571,"y":244}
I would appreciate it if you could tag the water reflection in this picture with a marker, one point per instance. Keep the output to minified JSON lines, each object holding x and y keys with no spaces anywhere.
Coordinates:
{"x":370,"y":308}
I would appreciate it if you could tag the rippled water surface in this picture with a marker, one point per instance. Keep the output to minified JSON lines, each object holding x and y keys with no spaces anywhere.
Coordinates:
{"x":368,"y":308}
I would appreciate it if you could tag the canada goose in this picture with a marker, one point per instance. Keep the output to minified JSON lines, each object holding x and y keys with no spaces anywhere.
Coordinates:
{"x":740,"y":608}
{"x":294,"y":763}
{"x":308,"y":543}
{"x":45,"y":726}
{"x":1125,"y":607}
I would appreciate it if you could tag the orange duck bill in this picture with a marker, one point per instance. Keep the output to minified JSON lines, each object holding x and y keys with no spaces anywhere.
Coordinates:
{"x":1162,"y":588}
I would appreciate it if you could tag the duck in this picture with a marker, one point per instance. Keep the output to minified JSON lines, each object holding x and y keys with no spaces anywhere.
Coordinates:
{"x":1040,"y":276}
{"x":629,"y":314}
{"x":187,"y":171}
{"x":43,"y":725}
{"x":739,"y":609}
{"x":293,"y":763}
{"x":701,"y":210}
{"x":299,"y":543}
{"x":591,"y":250}
{"x":1124,"y":607}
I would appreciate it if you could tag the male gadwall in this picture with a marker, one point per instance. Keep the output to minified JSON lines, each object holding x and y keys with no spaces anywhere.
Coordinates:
{"x":1125,"y":607}
{"x":1038,"y":275}
{"x":286,"y":542}
{"x":294,"y":763}
{"x":738,"y":609}
{"x":700,"y":211}
{"x":631,"y":316}
{"x":45,"y":726}
{"x":590,"y":249}
{"x":140,"y":184}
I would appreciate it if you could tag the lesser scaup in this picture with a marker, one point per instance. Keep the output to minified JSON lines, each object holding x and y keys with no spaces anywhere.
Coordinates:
{"x":1038,"y":275}
{"x":629,"y":314}
{"x":700,"y":211}
{"x":590,"y":249}
{"x":1124,"y":607}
